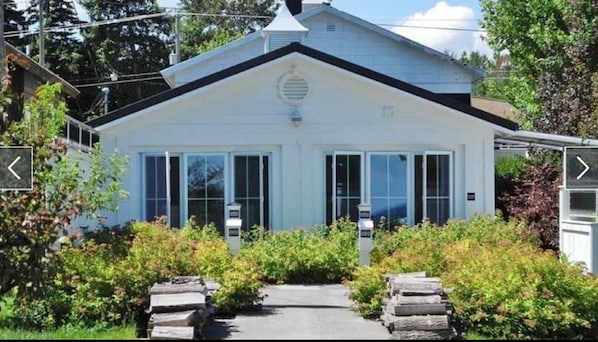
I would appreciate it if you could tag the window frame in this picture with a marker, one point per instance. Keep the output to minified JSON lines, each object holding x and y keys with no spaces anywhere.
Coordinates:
{"x":263,"y":196}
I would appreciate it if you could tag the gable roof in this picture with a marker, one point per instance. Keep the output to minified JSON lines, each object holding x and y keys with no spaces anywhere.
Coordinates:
{"x":315,"y":54}
{"x":21,"y":59}
{"x":308,"y":14}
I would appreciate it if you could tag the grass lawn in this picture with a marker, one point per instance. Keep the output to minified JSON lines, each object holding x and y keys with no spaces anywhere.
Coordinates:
{"x":64,"y":333}
{"x":123,"y":333}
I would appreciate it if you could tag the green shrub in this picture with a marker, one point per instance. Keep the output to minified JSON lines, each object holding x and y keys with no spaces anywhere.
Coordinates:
{"x":106,"y":280}
{"x":367,"y":290}
{"x":319,"y":255}
{"x":479,"y":228}
{"x":516,"y":291}
{"x":503,"y":285}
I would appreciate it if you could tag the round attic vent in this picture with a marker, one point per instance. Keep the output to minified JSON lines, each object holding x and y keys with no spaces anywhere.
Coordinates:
{"x":293,"y":88}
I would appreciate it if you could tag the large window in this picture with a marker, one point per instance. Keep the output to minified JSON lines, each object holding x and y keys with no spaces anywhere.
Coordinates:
{"x":388,"y":188}
{"x":251,"y":189}
{"x":402,"y":188}
{"x":206,"y":189}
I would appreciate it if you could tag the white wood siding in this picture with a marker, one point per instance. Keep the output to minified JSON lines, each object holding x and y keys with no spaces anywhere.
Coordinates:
{"x":357,"y":45}
{"x":341,"y":112}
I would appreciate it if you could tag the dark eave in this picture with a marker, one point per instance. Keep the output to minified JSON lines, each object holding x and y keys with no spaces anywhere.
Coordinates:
{"x":318,"y":55}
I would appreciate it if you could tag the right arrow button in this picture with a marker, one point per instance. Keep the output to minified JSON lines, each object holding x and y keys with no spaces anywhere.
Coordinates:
{"x":587,"y":168}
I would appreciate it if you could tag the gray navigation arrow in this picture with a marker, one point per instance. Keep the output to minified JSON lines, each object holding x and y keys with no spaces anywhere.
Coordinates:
{"x":13,"y":171}
{"x":587,"y":168}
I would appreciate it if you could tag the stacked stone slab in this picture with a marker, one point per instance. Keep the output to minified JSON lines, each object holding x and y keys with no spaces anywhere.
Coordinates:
{"x":179,"y":308}
{"x":417,"y":308}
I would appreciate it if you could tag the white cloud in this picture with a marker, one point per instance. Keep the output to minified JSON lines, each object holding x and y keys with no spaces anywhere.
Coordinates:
{"x":443,"y":15}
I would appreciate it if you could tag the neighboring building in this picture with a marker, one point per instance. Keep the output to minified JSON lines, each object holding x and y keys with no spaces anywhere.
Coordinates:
{"x":26,"y":76}
{"x":302,"y":121}
{"x":497,"y":107}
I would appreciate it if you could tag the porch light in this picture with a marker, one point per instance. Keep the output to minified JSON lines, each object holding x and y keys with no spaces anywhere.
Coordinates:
{"x":296,"y":118}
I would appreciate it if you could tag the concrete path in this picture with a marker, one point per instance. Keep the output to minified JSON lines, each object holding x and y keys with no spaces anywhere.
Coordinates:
{"x":317,"y":312}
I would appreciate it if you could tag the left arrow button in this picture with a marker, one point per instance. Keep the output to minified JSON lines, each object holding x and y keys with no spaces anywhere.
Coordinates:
{"x":13,"y":171}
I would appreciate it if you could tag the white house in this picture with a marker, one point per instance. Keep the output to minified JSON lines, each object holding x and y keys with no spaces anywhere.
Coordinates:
{"x":302,"y":121}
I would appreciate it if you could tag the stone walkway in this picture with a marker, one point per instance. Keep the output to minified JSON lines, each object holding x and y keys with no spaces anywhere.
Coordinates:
{"x":318,"y":312}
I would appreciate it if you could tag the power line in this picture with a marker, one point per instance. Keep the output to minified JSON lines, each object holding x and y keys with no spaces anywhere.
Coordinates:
{"x":118,"y":82}
{"x":106,"y":77}
{"x":433,"y":28}
{"x":22,"y":33}
{"x":84,"y":25}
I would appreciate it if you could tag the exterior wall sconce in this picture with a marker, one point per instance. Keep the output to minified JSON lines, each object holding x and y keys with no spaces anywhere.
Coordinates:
{"x":296,"y":118}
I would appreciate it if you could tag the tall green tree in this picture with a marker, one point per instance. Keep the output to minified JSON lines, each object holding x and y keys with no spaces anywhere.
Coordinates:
{"x":220,"y":21}
{"x":540,"y":36}
{"x":131,"y":49}
{"x":62,"y":48}
{"x":569,"y":87}
{"x":14,"y":20}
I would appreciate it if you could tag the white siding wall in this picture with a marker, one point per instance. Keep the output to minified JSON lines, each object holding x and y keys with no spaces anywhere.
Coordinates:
{"x":341,"y":112}
{"x":357,"y":45}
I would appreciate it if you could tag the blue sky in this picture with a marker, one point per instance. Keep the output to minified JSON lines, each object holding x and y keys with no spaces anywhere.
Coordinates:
{"x":460,"y":14}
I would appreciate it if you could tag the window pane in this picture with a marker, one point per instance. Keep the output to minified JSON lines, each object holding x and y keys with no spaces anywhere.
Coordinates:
{"x":432,"y":175}
{"x":398,"y":212}
{"x":175,"y":194}
{"x":266,"y":192}
{"x":197,"y":208}
{"x":161,"y":177}
{"x":215,"y":214}
{"x":342,"y":176}
{"x":328,"y":166}
{"x":150,"y":210}
{"x":196,"y":177}
{"x":444,"y":210}
{"x":240,"y":172}
{"x":379,"y":175}
{"x":215,"y":176}
{"x":161,"y":208}
{"x":432,"y":210}
{"x":397,"y":175}
{"x":379,"y":209}
{"x":341,"y":208}
{"x":253,"y":176}
{"x":354,"y":175}
{"x":353,"y":210}
{"x":444,"y":175}
{"x":251,"y":214}
{"x":150,"y":177}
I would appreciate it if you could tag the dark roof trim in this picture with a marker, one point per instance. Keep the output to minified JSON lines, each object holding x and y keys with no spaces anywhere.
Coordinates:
{"x":296,"y":47}
{"x":21,"y":59}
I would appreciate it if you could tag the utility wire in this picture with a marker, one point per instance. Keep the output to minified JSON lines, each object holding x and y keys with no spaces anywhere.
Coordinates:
{"x":118,"y":82}
{"x":22,"y":33}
